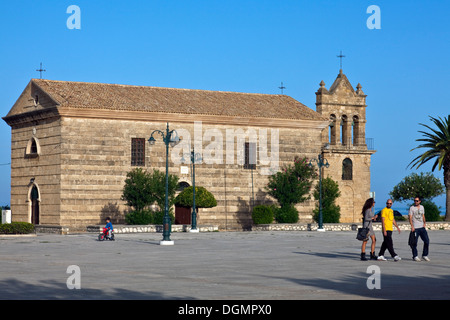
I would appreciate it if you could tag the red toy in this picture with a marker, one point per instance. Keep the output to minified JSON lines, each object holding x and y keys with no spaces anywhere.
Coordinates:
{"x":105,"y":235}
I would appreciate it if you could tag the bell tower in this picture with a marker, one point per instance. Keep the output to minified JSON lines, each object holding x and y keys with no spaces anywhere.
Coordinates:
{"x":347,"y":150}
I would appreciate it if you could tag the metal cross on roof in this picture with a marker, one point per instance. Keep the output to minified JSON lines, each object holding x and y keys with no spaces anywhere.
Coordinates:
{"x":40,"y":71}
{"x":282,"y":87}
{"x":340,"y":56}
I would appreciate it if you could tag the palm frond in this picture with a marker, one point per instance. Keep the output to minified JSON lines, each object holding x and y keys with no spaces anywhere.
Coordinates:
{"x":437,"y":141}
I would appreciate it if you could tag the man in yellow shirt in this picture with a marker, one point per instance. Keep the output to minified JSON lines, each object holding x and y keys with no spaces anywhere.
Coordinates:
{"x":387,"y":222}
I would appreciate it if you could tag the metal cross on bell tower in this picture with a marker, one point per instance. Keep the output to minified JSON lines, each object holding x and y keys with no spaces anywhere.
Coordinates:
{"x":340,"y":56}
{"x":40,"y":70}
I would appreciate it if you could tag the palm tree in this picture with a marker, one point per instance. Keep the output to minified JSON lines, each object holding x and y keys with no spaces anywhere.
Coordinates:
{"x":437,"y":141}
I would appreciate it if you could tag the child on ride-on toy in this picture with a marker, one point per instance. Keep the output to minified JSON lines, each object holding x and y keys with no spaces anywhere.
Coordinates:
{"x":107,"y":231}
{"x":109,"y":226}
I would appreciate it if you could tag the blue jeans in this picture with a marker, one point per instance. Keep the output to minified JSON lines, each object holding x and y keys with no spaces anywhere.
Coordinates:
{"x":422,"y":233}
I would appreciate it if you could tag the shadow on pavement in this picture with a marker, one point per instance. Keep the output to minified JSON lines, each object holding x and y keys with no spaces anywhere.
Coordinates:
{"x":12,"y":289}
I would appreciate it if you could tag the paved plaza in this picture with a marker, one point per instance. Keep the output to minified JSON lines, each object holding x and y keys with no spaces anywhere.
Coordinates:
{"x":253,"y":265}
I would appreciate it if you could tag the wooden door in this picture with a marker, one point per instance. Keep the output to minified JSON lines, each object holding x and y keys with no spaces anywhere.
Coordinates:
{"x":182,"y":215}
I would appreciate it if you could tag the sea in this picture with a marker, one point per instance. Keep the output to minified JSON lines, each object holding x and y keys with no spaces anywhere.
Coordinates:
{"x":403,"y":210}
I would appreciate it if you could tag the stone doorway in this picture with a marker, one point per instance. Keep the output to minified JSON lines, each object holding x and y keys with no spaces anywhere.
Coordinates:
{"x":183,"y":215}
{"x":34,"y":199}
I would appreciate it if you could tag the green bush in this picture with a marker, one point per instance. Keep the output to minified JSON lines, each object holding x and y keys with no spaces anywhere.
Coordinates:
{"x":432,"y":212}
{"x":330,"y":214}
{"x":424,"y":184}
{"x":286,"y":214}
{"x":203,"y":198}
{"x":293,"y":183}
{"x":262,"y":214}
{"x":143,"y":188}
{"x":16,"y":228}
{"x":159,"y":215}
{"x":139,"y":217}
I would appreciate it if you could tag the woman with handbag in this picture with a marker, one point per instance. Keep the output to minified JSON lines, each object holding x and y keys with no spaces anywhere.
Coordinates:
{"x":368,"y":217}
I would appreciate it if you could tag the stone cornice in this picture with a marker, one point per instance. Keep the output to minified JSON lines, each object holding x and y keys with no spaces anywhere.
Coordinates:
{"x":341,"y":104}
{"x":348,"y":151}
{"x":189,"y":118}
{"x":32,"y":116}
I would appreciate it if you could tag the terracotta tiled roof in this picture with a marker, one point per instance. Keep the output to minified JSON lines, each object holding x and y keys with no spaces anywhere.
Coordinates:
{"x":168,"y":100}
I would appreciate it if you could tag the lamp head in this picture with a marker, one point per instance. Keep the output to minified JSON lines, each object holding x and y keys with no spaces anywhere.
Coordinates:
{"x":174,"y":141}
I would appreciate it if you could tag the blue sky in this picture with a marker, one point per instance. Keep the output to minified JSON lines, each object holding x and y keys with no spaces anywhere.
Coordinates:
{"x":245,"y":46}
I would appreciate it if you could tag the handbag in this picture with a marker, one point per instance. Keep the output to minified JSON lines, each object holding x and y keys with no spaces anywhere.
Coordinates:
{"x":412,"y":239}
{"x":363,"y":234}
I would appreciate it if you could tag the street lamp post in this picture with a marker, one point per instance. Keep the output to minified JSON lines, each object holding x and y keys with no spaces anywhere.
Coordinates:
{"x":194,"y":158}
{"x":321,"y":162}
{"x":170,"y":138}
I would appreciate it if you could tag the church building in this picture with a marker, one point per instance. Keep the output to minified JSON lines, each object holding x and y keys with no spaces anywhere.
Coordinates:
{"x":72,"y":144}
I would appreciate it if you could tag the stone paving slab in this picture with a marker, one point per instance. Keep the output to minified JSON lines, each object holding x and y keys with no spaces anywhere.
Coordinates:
{"x":253,"y":265}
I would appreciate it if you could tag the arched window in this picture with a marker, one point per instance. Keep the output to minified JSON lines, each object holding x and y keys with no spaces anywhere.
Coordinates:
{"x":182,"y":185}
{"x":332,"y":130}
{"x":344,"y":130}
{"x":33,"y":148}
{"x":347,"y":169}
{"x":356,"y":135}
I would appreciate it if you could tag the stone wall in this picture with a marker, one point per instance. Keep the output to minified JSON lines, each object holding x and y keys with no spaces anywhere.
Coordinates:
{"x":404,"y":226}
{"x":41,"y":170}
{"x":120,"y":229}
{"x":96,"y":155}
{"x":354,"y":192}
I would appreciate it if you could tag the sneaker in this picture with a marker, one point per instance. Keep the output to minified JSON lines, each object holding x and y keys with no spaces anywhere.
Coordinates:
{"x":381,"y":258}
{"x":416,"y":258}
{"x":426,"y":258}
{"x":397,"y":258}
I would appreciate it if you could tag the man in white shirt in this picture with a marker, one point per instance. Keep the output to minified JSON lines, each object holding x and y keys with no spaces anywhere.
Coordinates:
{"x":417,"y":221}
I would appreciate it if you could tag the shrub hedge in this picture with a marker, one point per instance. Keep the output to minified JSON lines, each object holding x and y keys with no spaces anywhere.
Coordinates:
{"x":16,"y":228}
{"x":140,"y":217}
{"x":432,"y":212}
{"x":145,"y":217}
{"x":262,"y":214}
{"x":286,"y":214}
{"x":159,"y":216}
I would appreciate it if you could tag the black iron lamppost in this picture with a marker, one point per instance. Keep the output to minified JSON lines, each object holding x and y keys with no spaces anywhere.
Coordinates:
{"x":321,"y":162}
{"x":195,"y":157}
{"x":170,"y":138}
